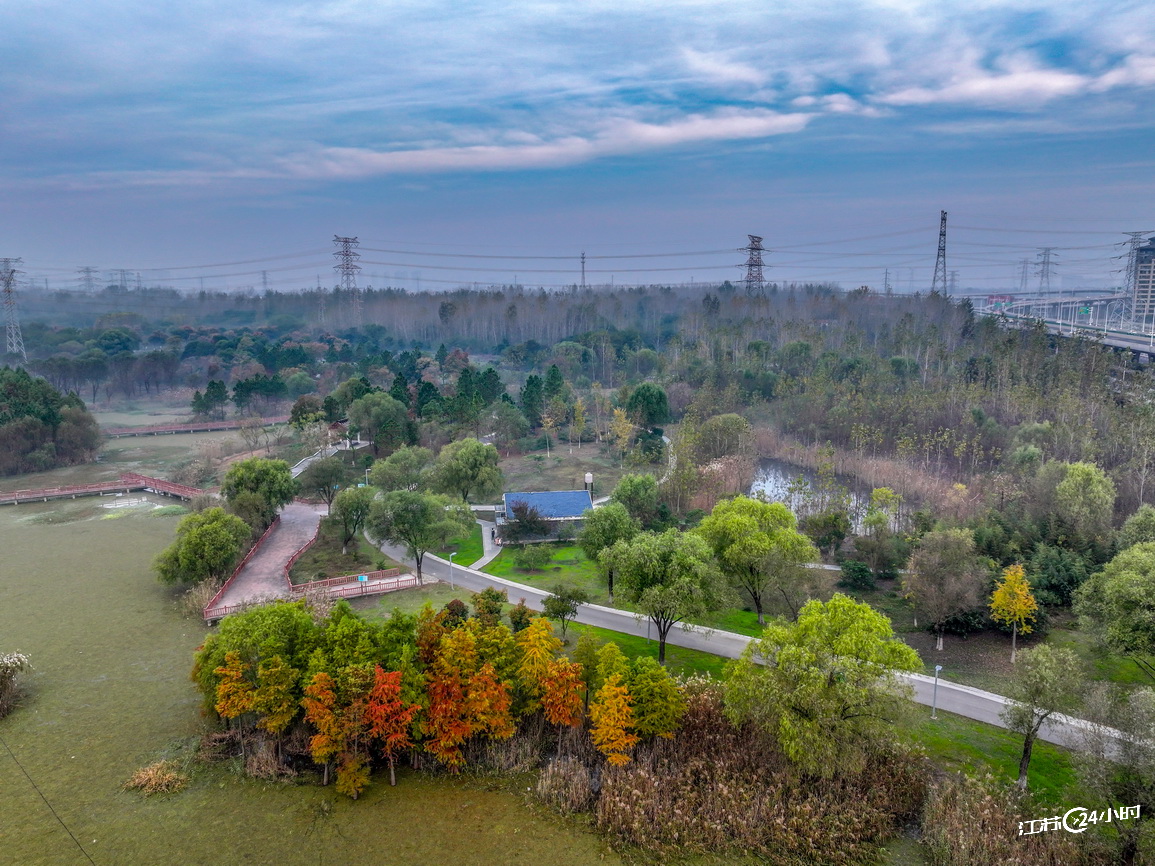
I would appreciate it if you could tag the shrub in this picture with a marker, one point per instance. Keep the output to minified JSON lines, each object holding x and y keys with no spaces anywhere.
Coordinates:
{"x":159,"y":778}
{"x":856,"y":574}
{"x":455,"y":613}
{"x":532,"y":557}
{"x":11,"y":666}
{"x":520,"y":616}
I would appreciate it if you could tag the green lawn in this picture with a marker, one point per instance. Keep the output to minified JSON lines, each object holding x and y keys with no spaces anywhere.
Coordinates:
{"x":957,"y":743}
{"x":567,"y":565}
{"x":408,"y":600}
{"x":468,"y":549}
{"x":678,"y":659}
{"x":325,"y":559}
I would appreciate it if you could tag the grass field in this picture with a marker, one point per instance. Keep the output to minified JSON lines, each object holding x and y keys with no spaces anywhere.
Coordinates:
{"x":325,"y":559}
{"x":109,"y":693}
{"x":564,"y":469}
{"x":468,"y":549}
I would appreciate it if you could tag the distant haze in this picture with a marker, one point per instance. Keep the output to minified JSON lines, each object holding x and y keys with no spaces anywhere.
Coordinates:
{"x":162,"y":140}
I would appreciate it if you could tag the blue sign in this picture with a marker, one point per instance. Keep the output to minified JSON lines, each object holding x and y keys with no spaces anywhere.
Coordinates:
{"x":362,"y":577}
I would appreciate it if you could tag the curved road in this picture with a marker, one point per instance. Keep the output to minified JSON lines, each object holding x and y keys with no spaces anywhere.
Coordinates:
{"x":962,"y":700}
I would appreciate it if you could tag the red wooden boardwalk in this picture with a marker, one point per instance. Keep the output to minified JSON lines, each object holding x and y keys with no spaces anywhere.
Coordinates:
{"x":200,"y":427}
{"x":128,"y":482}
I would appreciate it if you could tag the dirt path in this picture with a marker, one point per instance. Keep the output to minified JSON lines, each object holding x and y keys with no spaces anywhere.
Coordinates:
{"x":263,"y":576}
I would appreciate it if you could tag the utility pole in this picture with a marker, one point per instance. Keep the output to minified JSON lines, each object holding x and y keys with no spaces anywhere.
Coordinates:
{"x":938,"y":281}
{"x":583,"y":270}
{"x":1044,"y":268}
{"x":87,"y":279}
{"x":886,"y":286}
{"x":14,"y":339}
{"x":320,"y":301}
{"x":347,"y":255}
{"x":265,"y":281}
{"x":755,"y":284}
{"x":1024,"y":274}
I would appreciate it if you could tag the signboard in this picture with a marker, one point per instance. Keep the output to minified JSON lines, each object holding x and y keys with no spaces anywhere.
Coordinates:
{"x":362,"y":577}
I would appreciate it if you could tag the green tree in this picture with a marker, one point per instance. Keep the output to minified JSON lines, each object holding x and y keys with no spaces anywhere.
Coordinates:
{"x":758,"y":548}
{"x":648,"y":403}
{"x":271,"y":480}
{"x":349,"y":512}
{"x":602,"y":528}
{"x":826,"y":686}
{"x":207,"y":546}
{"x":563,"y":602}
{"x":467,"y":467}
{"x":1139,"y":527}
{"x":639,"y":494}
{"x":1085,"y":499}
{"x":658,"y":702}
{"x":1117,"y":605}
{"x":407,"y":468}
{"x":507,"y":424}
{"x":945,"y":578}
{"x":670,"y":578}
{"x":1055,"y":574}
{"x":1046,"y":681}
{"x":420,"y":521}
{"x":382,"y":420}
{"x":532,"y":400}
{"x":323,"y":478}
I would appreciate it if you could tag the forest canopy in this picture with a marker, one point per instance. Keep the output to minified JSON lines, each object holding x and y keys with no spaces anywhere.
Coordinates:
{"x":41,"y":428}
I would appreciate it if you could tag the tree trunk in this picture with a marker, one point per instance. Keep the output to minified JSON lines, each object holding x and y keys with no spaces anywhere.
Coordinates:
{"x":392,"y":772}
{"x":420,"y":579}
{"x":758,"y":608}
{"x":1025,"y":760}
{"x":610,"y":575}
{"x":938,"y":644}
{"x":1014,"y":639}
{"x":662,"y":633}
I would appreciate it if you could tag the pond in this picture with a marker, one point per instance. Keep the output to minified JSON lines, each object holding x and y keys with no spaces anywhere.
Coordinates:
{"x":778,"y":480}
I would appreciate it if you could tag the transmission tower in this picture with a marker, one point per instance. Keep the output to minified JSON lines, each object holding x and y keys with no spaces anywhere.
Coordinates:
{"x":886,"y":286}
{"x":320,"y":302}
{"x":87,"y":279}
{"x":14,"y":342}
{"x":938,"y":281}
{"x":1044,"y":268}
{"x":347,"y":255}
{"x":1024,"y":274}
{"x":953,"y":283}
{"x":583,"y":270}
{"x":755,"y":284}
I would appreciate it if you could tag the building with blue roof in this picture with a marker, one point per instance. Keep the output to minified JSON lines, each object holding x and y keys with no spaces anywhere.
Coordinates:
{"x":557,"y":507}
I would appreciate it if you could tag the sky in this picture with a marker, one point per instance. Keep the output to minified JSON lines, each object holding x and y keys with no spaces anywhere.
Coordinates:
{"x":493,"y":142}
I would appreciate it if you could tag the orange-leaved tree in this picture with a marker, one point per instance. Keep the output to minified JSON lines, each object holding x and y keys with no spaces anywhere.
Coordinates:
{"x":321,"y":710}
{"x":430,"y":629}
{"x":487,"y":704}
{"x":445,"y":725}
{"x":1013,"y":604}
{"x":613,"y":720}
{"x":389,"y":716}
{"x":561,"y":696}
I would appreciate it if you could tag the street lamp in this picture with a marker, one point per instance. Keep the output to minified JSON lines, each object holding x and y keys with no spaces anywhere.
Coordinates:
{"x":366,"y":476}
{"x":451,"y":586}
{"x":934,"y":698}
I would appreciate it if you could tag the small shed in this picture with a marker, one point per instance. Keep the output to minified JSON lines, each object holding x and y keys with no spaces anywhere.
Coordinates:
{"x":556,"y":507}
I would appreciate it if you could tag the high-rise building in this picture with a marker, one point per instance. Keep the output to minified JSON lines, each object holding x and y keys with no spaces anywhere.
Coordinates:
{"x":1143,"y":299}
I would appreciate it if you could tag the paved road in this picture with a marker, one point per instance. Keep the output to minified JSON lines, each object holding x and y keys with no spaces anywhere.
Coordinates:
{"x":263,"y":576}
{"x":963,"y":700}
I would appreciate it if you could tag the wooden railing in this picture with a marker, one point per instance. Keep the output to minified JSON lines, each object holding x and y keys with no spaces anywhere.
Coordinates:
{"x":293,"y":559}
{"x":129,"y":481}
{"x":184,"y":491}
{"x":385,"y":574}
{"x":210,"y":612}
{"x":201,"y":427}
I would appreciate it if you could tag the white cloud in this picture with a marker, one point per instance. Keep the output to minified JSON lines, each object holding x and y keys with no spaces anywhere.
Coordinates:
{"x":717,"y":67}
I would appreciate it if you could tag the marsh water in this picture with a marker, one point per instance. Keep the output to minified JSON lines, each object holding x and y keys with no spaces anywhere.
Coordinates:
{"x":778,"y":480}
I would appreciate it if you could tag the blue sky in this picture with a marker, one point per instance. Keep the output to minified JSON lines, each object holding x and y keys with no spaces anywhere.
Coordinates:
{"x":144,"y":136}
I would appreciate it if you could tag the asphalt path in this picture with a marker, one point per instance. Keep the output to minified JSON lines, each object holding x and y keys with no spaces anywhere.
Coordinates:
{"x":962,"y":700}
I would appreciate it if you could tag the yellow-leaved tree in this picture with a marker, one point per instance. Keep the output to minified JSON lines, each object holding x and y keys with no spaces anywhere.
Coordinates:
{"x":613,"y":721}
{"x":1013,"y":604}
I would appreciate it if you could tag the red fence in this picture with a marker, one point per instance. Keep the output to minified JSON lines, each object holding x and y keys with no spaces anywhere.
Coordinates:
{"x":210,"y":612}
{"x":127,"y":483}
{"x":202,"y":427}
{"x":348,"y":578}
{"x":293,"y":559}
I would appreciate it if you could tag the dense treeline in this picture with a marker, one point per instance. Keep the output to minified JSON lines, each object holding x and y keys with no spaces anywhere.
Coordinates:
{"x":40,"y":428}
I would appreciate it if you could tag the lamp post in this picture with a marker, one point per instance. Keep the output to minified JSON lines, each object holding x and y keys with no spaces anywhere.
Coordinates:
{"x":451,"y":586}
{"x":366,"y":476}
{"x":934,"y":697}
